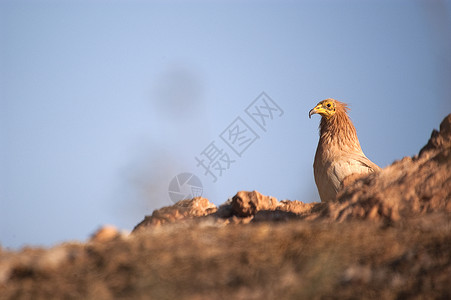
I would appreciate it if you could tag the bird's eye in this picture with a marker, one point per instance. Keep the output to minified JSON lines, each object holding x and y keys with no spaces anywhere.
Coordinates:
{"x":328,"y":104}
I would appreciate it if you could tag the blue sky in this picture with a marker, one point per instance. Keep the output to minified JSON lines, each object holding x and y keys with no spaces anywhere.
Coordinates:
{"x":103,"y":103}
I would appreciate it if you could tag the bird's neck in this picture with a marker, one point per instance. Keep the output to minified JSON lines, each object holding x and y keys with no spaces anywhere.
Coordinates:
{"x":339,"y":131}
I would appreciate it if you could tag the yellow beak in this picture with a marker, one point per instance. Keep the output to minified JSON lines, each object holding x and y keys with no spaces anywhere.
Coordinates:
{"x":315,"y":110}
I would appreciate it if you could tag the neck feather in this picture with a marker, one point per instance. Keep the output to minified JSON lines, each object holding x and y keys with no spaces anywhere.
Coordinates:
{"x":339,"y":131}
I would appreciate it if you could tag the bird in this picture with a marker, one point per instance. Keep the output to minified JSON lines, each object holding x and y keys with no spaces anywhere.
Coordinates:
{"x":338,"y":154}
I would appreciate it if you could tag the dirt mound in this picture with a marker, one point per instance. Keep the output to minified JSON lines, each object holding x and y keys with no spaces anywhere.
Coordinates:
{"x":387,"y":236}
{"x":185,"y":209}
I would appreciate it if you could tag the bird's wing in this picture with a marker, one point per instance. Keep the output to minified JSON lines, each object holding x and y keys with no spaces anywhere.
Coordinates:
{"x":364,"y":161}
{"x":351,"y":163}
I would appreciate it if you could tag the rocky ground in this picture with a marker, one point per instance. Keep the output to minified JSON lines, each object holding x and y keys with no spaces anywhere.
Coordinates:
{"x":388,"y":236}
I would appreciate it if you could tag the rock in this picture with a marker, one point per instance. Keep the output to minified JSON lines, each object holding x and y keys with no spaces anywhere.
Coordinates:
{"x":245,"y":204}
{"x":51,"y":259}
{"x":185,"y":209}
{"x":225,"y":210}
{"x":5,"y":271}
{"x":296,"y":207}
{"x":439,"y":140}
{"x":274,"y":216}
{"x":285,"y":210}
{"x":411,"y":186}
{"x":356,"y":274}
{"x":106,"y":233}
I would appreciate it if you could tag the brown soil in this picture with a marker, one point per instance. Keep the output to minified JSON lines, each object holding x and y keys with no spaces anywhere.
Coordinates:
{"x":388,"y":236}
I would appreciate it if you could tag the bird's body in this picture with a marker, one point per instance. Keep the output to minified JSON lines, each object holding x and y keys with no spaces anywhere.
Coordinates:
{"x":339,"y":153}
